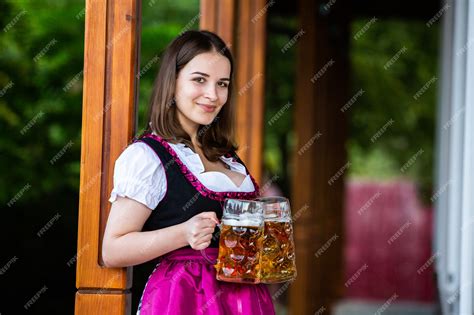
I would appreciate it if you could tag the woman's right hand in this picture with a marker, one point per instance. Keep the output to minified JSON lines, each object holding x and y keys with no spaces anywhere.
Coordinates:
{"x":199,"y":229}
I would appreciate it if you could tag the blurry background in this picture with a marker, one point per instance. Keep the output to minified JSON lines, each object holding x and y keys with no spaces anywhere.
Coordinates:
{"x":41,"y":62}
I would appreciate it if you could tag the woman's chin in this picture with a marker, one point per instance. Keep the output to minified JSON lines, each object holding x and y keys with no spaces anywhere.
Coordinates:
{"x":205,"y":121}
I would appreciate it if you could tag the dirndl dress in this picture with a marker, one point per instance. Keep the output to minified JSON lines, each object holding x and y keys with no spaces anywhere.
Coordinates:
{"x":184,"y":282}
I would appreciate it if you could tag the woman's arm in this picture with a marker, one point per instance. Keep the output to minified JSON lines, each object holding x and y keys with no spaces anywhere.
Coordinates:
{"x":125,"y":245}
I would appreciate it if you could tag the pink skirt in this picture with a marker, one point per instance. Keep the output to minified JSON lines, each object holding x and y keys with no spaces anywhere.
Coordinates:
{"x":184,"y":282}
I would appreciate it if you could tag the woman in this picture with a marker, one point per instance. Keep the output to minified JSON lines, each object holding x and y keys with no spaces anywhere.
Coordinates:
{"x":170,"y":183}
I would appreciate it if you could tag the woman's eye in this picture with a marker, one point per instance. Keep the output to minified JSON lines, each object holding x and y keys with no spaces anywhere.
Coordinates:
{"x":199,"y":80}
{"x":223,"y":84}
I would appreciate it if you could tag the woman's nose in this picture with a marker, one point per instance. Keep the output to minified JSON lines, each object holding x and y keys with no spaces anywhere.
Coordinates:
{"x":211,"y":92}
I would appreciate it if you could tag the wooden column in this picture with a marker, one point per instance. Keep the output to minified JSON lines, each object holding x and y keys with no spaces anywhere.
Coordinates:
{"x":108,"y":123}
{"x":242,"y":25}
{"x":322,"y":81}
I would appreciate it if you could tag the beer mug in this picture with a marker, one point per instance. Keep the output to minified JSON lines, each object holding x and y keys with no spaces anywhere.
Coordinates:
{"x":277,"y":263}
{"x":240,"y":241}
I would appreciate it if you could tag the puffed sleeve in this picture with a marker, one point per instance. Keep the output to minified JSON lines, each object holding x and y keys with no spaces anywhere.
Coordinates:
{"x":139,"y":175}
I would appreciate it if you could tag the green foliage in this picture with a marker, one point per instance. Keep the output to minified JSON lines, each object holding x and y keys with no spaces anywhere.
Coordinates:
{"x":279,"y":99}
{"x":41,"y":55}
{"x":389,"y":93}
{"x":41,"y":62}
{"x":41,"y":51}
{"x":162,"y":21}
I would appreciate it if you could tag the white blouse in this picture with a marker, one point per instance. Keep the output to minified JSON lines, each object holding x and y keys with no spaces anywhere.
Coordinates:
{"x":140,"y":175}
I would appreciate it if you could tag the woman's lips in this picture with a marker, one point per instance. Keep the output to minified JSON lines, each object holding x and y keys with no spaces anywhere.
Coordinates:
{"x":207,"y":108}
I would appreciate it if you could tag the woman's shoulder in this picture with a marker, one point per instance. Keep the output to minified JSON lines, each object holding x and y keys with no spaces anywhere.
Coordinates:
{"x":138,"y":153}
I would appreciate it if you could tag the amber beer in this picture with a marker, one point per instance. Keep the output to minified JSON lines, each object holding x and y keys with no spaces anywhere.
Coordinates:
{"x":239,"y":252}
{"x":278,"y":249}
{"x":240,"y":242}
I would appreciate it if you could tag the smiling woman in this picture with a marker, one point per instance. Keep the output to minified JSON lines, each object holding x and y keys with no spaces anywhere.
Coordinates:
{"x":169,"y":185}
{"x":191,"y":100}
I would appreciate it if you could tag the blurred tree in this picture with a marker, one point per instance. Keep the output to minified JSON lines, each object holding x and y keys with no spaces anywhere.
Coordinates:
{"x":41,"y":57}
{"x":279,"y":99}
{"x":392,"y":62}
{"x":41,"y":113}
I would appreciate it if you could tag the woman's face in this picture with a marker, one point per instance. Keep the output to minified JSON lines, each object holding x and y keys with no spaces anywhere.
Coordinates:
{"x":202,"y":88}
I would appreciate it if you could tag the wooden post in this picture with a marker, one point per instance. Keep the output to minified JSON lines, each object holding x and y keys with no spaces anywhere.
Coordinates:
{"x":317,"y":189}
{"x":110,"y":65}
{"x":246,"y":36}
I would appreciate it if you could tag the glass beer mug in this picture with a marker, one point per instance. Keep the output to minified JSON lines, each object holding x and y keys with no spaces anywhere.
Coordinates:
{"x":240,"y":241}
{"x":277,"y":263}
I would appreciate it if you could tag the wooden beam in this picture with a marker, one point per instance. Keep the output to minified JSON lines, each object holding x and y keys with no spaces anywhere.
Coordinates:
{"x":225,"y":22}
{"x":247,"y":40}
{"x":110,"y":64}
{"x":208,"y":14}
{"x":320,"y":126}
{"x":102,"y":304}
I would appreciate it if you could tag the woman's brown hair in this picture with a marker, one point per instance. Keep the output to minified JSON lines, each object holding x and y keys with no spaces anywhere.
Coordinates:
{"x":215,"y":139}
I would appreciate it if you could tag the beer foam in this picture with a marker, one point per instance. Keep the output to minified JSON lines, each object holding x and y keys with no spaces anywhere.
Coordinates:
{"x":279,"y":220}
{"x":242,"y":222}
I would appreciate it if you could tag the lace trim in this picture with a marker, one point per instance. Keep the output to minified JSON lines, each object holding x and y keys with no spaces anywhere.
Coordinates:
{"x":203,"y":190}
